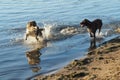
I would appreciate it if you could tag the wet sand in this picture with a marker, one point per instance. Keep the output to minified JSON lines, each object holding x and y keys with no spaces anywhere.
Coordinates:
{"x":102,"y":63}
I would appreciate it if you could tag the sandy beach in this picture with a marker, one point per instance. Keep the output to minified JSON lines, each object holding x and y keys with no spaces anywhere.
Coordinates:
{"x":102,"y":63}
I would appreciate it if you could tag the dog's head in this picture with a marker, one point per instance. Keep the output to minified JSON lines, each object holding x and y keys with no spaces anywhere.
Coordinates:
{"x":85,"y":22}
{"x":31,"y":24}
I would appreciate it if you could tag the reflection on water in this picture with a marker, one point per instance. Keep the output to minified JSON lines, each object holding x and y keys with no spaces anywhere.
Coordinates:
{"x":33,"y":59}
{"x":92,"y":44}
{"x":35,"y":68}
{"x":33,"y":56}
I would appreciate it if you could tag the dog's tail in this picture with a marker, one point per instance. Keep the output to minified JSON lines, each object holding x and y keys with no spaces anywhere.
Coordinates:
{"x":100,"y":27}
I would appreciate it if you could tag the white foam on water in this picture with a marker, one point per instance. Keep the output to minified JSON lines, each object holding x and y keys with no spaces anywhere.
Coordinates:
{"x":69,"y":31}
{"x":31,"y":42}
{"x":109,"y":32}
{"x":48,"y":33}
{"x":100,"y":35}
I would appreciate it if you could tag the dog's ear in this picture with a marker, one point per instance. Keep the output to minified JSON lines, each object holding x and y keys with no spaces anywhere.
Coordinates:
{"x":34,"y":23}
{"x":86,"y":20}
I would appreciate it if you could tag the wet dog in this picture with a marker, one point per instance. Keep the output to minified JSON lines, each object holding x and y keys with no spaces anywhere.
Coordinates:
{"x":92,"y":26}
{"x":33,"y":30}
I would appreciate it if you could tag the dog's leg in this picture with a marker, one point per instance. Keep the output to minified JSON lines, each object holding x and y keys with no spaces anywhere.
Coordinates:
{"x":92,"y":44}
{"x":26,"y":36}
{"x":36,"y":34}
{"x":36,"y":38}
{"x":91,"y":34}
{"x":94,"y":36}
{"x":40,"y":32}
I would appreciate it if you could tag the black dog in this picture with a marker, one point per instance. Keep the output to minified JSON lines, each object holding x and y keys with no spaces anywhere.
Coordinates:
{"x":92,"y":26}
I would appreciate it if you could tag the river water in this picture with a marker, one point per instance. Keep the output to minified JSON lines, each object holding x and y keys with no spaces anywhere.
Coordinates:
{"x":64,"y":40}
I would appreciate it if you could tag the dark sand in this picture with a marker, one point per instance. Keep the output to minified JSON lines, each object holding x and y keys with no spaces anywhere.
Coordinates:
{"x":102,"y":63}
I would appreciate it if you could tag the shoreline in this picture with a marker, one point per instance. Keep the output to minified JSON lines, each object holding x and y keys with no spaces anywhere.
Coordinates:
{"x":99,"y":64}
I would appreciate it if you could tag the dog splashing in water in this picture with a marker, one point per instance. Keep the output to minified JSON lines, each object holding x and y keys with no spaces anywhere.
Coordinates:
{"x":33,"y":30}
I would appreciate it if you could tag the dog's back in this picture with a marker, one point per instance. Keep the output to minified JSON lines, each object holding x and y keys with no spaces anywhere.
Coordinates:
{"x":98,"y":24}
